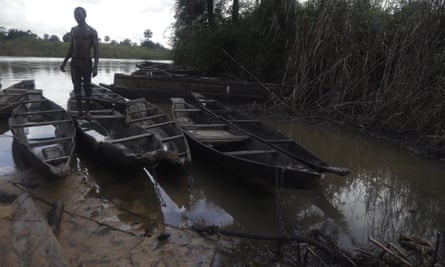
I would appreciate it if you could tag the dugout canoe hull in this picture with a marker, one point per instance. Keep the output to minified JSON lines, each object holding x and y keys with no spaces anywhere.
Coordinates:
{"x":258,"y":129}
{"x":45,"y":133}
{"x":248,"y":159}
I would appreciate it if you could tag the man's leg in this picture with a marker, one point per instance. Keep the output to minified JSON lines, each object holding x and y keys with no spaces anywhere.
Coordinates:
{"x":77,"y":84}
{"x":87,"y":69}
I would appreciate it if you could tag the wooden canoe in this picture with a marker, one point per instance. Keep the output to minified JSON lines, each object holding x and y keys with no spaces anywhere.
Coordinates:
{"x":163,"y":86}
{"x":248,"y":158}
{"x":166,"y":68}
{"x":115,"y":141}
{"x":45,"y":133}
{"x":256,"y":128}
{"x":150,"y":117}
{"x":11,"y":96}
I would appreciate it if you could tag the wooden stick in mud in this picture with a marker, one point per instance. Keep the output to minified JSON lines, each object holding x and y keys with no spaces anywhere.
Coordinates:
{"x":399,"y":251}
{"x":390,"y":252}
{"x":55,"y":217}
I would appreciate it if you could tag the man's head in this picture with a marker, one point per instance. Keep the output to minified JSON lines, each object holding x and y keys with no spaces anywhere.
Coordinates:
{"x":80,"y":14}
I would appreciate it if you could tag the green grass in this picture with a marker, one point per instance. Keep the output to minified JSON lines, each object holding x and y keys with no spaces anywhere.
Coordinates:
{"x":30,"y":47}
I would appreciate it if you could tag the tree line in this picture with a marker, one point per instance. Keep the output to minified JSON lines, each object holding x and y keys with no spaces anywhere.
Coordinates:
{"x":14,"y":42}
{"x":10,"y":34}
{"x":377,"y":64}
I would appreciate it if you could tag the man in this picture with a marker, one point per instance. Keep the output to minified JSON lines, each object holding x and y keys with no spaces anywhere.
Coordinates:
{"x":83,"y":39}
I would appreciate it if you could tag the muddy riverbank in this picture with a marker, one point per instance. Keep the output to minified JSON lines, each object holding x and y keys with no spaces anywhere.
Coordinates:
{"x":93,"y":232}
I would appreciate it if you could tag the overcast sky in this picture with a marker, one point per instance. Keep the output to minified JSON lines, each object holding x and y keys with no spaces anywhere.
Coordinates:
{"x":119,"y":19}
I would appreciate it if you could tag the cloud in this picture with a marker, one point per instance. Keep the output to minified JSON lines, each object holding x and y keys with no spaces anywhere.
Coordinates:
{"x":87,"y":2}
{"x":114,"y":18}
{"x":156,"y":7}
{"x":12,"y":13}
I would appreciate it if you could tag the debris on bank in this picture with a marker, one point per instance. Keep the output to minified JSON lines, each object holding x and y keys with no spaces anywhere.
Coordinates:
{"x":317,"y":249}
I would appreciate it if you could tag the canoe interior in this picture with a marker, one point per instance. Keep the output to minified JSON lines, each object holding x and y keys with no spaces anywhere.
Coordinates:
{"x":46,"y":131}
{"x":256,"y":127}
{"x":108,"y":125}
{"x":148,"y":116}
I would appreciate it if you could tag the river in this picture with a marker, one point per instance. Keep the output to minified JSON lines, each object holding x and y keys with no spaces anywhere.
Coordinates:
{"x":388,"y":192}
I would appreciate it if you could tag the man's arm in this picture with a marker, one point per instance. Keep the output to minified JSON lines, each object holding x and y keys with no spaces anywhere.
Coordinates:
{"x":95,"y":53}
{"x":69,"y":54}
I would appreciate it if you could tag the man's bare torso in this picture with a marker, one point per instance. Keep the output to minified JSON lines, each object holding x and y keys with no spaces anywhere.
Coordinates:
{"x":83,"y":38}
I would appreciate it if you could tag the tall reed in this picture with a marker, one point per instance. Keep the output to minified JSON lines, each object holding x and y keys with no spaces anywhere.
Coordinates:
{"x":380,"y":69}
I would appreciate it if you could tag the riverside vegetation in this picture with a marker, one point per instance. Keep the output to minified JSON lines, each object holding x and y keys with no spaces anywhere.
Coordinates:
{"x":28,"y":44}
{"x":376,"y":65}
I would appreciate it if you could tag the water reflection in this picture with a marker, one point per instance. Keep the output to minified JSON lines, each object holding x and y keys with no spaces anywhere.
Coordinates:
{"x":6,"y":161}
{"x":131,"y":191}
{"x":388,"y":192}
{"x":183,"y":206}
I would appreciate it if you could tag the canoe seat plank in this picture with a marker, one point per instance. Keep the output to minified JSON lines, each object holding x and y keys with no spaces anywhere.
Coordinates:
{"x":56,"y":159}
{"x":11,"y":94}
{"x":39,"y":112}
{"x":130,"y":138}
{"x":279,"y":140}
{"x":75,"y":101}
{"x":158,"y":124}
{"x":96,"y":111}
{"x":147,"y":118}
{"x":34,"y":101}
{"x":244,"y":121}
{"x":203,"y":126}
{"x":210,"y":136}
{"x":249,"y":152}
{"x":22,"y":91}
{"x":233,"y":139}
{"x":141,"y":110}
{"x":187,"y":110}
{"x":166,"y":139}
{"x":49,"y":141}
{"x":39,"y":123}
{"x":225,"y":110}
{"x":100,"y":117}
